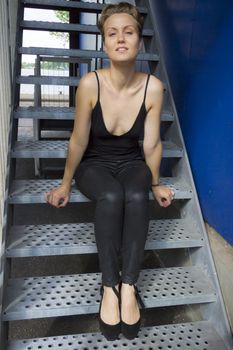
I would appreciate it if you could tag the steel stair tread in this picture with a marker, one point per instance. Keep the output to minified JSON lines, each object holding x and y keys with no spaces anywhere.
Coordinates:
{"x":64,"y":113}
{"x":199,"y":335}
{"x":64,"y":4}
{"x":32,"y":191}
{"x":52,"y":296}
{"x":79,"y":53}
{"x":48,"y":80}
{"x":58,"y":149}
{"x":68,"y":27}
{"x":79,"y":238}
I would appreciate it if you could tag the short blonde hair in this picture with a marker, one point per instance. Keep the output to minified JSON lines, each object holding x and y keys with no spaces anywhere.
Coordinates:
{"x":122,"y":7}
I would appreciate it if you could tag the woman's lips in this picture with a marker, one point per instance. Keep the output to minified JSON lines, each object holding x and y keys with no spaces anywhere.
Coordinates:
{"x":122,"y":49}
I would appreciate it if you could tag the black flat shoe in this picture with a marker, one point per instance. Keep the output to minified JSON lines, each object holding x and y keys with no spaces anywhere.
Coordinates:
{"x":130,"y":331}
{"x":111,"y":332}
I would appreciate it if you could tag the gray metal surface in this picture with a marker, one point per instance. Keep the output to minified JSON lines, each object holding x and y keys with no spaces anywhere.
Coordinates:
{"x":64,"y":113}
{"x":194,"y":336}
{"x":52,"y":296}
{"x":58,"y":149}
{"x":68,"y":27}
{"x":79,"y":53}
{"x":64,"y":4}
{"x":63,"y":239}
{"x":48,"y":80}
{"x":32,"y":191}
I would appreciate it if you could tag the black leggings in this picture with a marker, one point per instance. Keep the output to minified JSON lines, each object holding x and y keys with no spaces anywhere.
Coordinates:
{"x":121,"y":193}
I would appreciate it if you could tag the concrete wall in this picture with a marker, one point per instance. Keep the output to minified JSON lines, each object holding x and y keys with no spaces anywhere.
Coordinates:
{"x":8,"y":14}
{"x":196,"y":39}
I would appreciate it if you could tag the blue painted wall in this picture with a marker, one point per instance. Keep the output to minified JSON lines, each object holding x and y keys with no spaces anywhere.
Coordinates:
{"x":197,"y":44}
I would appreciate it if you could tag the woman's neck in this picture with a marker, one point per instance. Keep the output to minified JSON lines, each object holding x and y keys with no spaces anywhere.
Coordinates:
{"x":121,"y":76}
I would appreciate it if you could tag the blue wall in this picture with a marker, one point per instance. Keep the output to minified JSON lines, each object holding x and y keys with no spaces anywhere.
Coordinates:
{"x":196,"y":38}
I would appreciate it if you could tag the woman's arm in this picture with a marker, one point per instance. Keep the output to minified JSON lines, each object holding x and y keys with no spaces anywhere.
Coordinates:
{"x":85,"y":95}
{"x":152,"y":145}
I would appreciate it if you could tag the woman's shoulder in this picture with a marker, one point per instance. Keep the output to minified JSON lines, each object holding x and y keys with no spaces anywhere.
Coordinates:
{"x":155,"y":84}
{"x":87,"y":81}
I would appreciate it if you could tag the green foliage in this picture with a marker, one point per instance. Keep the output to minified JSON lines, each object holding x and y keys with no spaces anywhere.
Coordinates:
{"x":47,"y":65}
{"x":63,"y":16}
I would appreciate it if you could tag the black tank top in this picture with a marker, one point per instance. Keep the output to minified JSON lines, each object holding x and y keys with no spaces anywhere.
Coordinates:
{"x":104,"y":146}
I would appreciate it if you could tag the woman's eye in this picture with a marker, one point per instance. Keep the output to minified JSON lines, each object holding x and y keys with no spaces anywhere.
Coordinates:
{"x":111,"y":34}
{"x":129,"y":33}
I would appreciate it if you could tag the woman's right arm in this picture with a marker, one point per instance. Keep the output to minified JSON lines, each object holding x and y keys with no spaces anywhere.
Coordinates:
{"x":85,"y":95}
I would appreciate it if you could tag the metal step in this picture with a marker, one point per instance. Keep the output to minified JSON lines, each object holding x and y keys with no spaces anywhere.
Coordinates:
{"x":199,"y":335}
{"x":68,"y":27}
{"x":47,"y":80}
{"x":66,"y":5}
{"x":64,"y":113}
{"x":79,"y":53}
{"x":53,"y":296}
{"x":32,"y":191}
{"x":64,"y":239}
{"x":58,"y":149}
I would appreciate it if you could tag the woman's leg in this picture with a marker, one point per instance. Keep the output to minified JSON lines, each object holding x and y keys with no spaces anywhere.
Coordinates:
{"x":98,"y":184}
{"x":136,"y":181}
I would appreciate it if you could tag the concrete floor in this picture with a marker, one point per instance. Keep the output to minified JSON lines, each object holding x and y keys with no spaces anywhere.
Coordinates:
{"x":223,"y":257}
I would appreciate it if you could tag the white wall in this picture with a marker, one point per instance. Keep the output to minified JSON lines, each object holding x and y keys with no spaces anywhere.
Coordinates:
{"x":7,"y":44}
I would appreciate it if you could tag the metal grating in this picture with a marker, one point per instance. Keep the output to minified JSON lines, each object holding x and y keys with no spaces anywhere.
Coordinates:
{"x":79,"y":53}
{"x":68,"y":27}
{"x":64,"y":113}
{"x":32,"y":191}
{"x":52,"y":296}
{"x":47,"y":80}
{"x":58,"y":149}
{"x":194,"y":336}
{"x":62,"y":239}
{"x":59,"y":4}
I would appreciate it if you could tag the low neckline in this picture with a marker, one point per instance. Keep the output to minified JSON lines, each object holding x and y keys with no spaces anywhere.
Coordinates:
{"x":127,"y":132}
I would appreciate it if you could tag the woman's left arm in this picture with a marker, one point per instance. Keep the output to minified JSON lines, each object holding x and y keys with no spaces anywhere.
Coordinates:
{"x":152,"y":145}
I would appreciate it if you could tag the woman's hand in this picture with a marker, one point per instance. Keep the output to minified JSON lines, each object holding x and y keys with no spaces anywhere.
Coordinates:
{"x":58,"y":196}
{"x":163,"y":195}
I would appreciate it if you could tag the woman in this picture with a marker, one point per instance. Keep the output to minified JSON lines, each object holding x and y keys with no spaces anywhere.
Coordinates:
{"x":113,"y":106}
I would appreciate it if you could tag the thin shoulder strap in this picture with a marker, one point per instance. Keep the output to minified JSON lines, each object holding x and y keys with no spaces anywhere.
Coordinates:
{"x":98,"y":83}
{"x":147,"y":81}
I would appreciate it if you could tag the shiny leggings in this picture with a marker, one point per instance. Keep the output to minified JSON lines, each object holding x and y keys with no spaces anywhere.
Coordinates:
{"x":121,"y":195}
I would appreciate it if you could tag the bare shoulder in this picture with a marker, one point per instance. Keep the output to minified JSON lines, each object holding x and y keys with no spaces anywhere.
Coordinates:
{"x":88,"y":81}
{"x":87,"y":88}
{"x":155,"y":85}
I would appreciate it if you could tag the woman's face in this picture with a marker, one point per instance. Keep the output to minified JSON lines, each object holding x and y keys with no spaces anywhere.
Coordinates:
{"x":122,"y":41}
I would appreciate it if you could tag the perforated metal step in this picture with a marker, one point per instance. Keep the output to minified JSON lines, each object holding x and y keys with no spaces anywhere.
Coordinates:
{"x":63,"y":239}
{"x":51,"y":296}
{"x":194,"y":336}
{"x":47,"y":80}
{"x":65,"y":5}
{"x":64,"y":113}
{"x":79,"y":53}
{"x":68,"y":27}
{"x":32,"y":191}
{"x":58,"y":149}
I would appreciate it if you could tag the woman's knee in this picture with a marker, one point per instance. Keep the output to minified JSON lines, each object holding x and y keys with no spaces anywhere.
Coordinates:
{"x":112,"y":195}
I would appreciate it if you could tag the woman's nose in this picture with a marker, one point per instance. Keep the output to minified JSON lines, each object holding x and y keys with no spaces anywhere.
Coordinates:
{"x":120,"y":37}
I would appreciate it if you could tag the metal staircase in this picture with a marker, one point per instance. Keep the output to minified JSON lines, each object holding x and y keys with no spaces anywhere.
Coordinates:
{"x":177,"y":232}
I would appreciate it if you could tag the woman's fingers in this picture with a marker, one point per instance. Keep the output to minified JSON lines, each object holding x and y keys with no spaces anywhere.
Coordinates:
{"x":165,"y":197}
{"x":57,"y":198}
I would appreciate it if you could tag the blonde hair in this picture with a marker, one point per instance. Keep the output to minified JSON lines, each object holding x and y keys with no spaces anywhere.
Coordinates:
{"x":122,"y":7}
